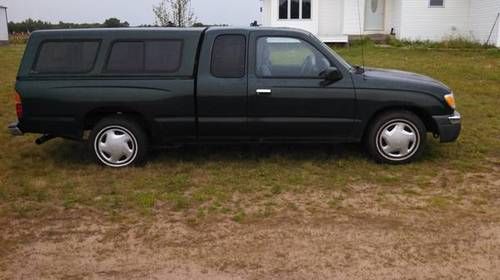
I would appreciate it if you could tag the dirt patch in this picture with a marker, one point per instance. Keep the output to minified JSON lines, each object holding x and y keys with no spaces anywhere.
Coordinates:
{"x":366,"y":232}
{"x":330,"y":247}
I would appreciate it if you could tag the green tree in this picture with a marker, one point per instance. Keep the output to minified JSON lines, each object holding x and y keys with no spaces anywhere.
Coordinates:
{"x":198,"y":24}
{"x":114,"y":22}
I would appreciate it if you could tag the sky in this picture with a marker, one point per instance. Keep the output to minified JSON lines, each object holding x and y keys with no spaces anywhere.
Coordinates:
{"x":136,"y":12}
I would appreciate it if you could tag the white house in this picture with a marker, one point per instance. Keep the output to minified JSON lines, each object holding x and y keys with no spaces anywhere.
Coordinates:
{"x":4,"y":33}
{"x":335,"y":20}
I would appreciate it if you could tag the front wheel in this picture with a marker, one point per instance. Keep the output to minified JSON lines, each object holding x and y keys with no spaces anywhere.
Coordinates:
{"x":396,"y":137}
{"x":118,"y":142}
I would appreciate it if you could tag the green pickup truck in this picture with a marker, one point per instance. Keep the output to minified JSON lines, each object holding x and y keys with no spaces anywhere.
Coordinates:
{"x":138,"y":88}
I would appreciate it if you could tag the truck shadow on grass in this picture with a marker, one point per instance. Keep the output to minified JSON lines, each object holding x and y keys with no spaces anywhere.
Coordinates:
{"x":71,"y":154}
{"x":251,"y":152}
{"x":66,"y":152}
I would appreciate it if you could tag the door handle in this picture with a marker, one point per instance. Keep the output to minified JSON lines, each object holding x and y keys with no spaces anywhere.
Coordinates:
{"x":264,"y":92}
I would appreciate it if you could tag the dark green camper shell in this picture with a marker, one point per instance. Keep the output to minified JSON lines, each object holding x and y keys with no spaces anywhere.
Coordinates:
{"x":67,"y":99}
{"x":104,"y":39}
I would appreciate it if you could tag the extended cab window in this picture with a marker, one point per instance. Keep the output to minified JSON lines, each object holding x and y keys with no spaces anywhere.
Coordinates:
{"x":283,"y":57}
{"x":145,"y":57}
{"x":66,"y":57}
{"x":229,"y":56}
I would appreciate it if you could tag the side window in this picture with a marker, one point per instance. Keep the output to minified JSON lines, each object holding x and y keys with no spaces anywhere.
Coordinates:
{"x":145,"y":57}
{"x":126,"y":57}
{"x":163,"y":56}
{"x":66,"y":57}
{"x":283,"y":57}
{"x":229,"y":56}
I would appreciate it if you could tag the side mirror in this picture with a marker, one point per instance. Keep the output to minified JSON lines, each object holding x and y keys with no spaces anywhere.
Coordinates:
{"x":331,"y":75}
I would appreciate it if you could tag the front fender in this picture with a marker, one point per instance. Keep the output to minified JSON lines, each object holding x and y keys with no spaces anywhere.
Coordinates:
{"x":371,"y":102}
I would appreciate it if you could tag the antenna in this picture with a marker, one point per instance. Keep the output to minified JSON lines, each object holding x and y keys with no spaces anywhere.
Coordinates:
{"x":362,"y":40}
{"x":492,"y":29}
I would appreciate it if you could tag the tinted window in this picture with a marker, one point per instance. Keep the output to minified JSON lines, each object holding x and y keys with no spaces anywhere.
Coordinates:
{"x":437,"y":3}
{"x":306,"y":9}
{"x":283,"y":9}
{"x":163,"y":56}
{"x":289,"y":57}
{"x":66,"y":57}
{"x":145,"y":57}
{"x":126,"y":57}
{"x":294,"y":9}
{"x":228,"y":56}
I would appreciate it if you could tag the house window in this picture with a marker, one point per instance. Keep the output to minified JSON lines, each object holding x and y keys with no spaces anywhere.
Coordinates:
{"x":294,"y":9}
{"x":436,"y":3}
{"x":283,"y":9}
{"x":306,"y":9}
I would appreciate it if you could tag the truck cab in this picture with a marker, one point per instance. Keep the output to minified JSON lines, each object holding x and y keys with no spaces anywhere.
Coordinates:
{"x":269,"y":85}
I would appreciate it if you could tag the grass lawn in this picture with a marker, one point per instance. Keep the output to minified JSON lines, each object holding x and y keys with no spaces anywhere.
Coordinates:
{"x":36,"y":179}
{"x":251,"y":185}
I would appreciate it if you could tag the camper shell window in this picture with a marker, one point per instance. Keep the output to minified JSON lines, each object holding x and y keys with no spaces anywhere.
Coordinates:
{"x":158,"y":56}
{"x":66,"y":57}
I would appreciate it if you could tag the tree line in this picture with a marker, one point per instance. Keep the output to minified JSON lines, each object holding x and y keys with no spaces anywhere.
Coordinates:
{"x":31,"y":25}
{"x":168,"y":13}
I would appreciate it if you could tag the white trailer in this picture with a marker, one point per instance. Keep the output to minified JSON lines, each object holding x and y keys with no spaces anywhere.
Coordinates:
{"x":4,"y":32}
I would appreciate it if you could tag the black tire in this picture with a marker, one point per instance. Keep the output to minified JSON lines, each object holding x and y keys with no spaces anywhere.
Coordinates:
{"x":391,"y":132}
{"x":127,"y":137}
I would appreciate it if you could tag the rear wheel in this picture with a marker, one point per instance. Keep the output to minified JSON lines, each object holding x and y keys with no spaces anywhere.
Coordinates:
{"x":118,"y":142}
{"x":396,"y":137}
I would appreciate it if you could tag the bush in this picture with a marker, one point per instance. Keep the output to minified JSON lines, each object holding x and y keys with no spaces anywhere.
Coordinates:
{"x":448,"y":43}
{"x":19,"y":38}
{"x":361,"y":41}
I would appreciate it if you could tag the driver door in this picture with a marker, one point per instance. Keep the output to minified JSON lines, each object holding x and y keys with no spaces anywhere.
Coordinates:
{"x":286,"y":99}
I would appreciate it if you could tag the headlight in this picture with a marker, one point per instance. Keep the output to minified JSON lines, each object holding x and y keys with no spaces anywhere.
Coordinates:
{"x":450,"y":100}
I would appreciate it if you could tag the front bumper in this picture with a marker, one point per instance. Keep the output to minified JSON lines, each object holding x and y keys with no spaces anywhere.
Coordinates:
{"x":449,"y":127}
{"x":15,"y":130}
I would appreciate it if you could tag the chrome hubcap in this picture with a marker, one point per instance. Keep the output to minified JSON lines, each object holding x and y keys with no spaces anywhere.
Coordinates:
{"x":398,"y":140}
{"x":116,"y":146}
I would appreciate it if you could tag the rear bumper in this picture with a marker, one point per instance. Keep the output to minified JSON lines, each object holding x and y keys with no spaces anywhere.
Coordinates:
{"x":15,"y":130}
{"x":449,"y":126}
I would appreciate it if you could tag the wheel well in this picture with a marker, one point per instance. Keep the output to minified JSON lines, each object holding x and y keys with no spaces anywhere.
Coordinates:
{"x":93,"y":117}
{"x":430,"y":124}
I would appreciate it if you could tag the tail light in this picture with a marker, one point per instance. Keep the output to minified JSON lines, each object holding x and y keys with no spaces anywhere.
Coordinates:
{"x":19,"y":106}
